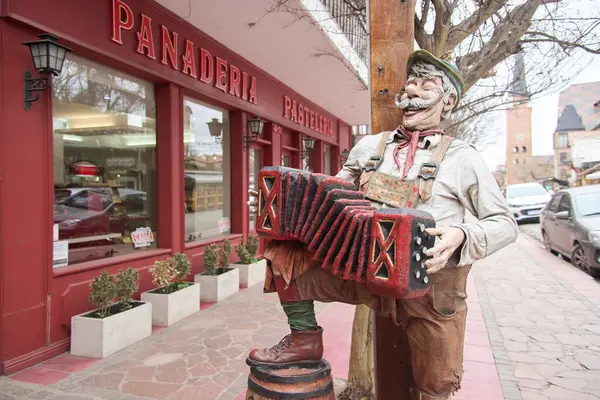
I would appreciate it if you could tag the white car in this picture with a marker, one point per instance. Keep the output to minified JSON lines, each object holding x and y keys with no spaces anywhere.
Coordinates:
{"x":526,"y":200}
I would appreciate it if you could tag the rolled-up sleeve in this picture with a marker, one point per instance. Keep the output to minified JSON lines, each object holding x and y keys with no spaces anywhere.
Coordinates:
{"x":479,"y":193}
{"x":359,"y":154}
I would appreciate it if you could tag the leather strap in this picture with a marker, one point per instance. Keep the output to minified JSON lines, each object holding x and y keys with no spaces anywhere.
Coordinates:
{"x":374,"y":162}
{"x":429,"y":170}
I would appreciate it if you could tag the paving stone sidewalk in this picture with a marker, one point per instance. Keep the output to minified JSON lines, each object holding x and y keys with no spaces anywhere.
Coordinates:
{"x":543,"y":320}
{"x":533,"y":332}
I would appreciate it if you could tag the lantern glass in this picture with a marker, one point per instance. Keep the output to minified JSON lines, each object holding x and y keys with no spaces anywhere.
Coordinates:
{"x":47,"y":54}
{"x":309,"y":143}
{"x":256,"y":126}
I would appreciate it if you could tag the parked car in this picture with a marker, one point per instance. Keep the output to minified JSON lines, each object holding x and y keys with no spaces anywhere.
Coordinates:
{"x":570,"y":225}
{"x":526,"y":200}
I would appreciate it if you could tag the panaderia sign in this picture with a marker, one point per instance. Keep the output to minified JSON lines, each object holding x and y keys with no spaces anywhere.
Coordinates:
{"x":196,"y":62}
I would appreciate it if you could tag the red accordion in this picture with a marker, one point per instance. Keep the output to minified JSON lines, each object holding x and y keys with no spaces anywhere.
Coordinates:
{"x":382,"y":247}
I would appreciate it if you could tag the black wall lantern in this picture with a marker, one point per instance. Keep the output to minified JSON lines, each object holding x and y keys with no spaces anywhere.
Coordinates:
{"x":216,"y":130}
{"x":255,"y":127}
{"x":308,"y":144}
{"x":343,"y":157}
{"x":48,"y":57}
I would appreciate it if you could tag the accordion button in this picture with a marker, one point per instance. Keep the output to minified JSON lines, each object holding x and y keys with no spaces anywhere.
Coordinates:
{"x":417,"y":274}
{"x":421,"y":228}
{"x":417,"y":256}
{"x":425,"y":279}
{"x":418,"y":240}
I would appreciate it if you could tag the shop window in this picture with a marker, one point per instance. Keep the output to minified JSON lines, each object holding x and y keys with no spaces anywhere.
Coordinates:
{"x":206,"y":171}
{"x":104,"y":163}
{"x":524,"y":149}
{"x":286,"y":161}
{"x":326,"y":160}
{"x":516,"y":149}
{"x":563,"y":157}
{"x":255,"y":166}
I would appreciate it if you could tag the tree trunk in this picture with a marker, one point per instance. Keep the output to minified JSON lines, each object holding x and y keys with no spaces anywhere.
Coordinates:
{"x":392,"y":40}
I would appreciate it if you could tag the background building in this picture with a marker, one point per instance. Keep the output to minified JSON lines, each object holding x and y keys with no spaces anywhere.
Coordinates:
{"x":521,"y":165}
{"x":579,"y":118}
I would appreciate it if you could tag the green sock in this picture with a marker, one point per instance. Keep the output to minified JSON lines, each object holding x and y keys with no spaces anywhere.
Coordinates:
{"x":301,"y":314}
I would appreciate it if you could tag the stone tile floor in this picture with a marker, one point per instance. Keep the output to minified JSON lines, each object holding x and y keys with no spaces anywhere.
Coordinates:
{"x":533,"y":332}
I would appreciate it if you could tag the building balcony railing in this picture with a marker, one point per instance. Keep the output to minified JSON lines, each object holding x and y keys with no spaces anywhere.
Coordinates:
{"x":350,"y":15}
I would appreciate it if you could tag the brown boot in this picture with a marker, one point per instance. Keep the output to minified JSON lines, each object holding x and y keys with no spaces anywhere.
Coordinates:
{"x":297,"y":348}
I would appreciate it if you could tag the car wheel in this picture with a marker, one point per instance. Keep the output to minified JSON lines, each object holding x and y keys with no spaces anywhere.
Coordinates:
{"x":578,"y":259}
{"x":547,"y":243}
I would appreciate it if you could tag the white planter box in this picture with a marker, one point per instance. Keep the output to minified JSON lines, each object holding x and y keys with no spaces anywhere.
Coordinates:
{"x":173,"y":307}
{"x":214,"y":288}
{"x":98,"y":338}
{"x":251,"y":274}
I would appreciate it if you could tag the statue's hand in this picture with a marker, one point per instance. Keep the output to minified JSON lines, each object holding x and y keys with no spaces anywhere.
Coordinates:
{"x":253,"y":202}
{"x":451,"y":239}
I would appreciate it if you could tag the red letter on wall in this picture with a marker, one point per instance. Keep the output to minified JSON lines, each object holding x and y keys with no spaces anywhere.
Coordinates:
{"x":234,"y":80}
{"x":145,"y":39}
{"x":221,"y":73}
{"x":294,"y":111}
{"x":300,"y":114}
{"x":252,"y":94}
{"x":244,"y":86}
{"x":287,"y":106}
{"x":118,"y":23}
{"x":169,"y":48}
{"x":189,"y":61}
{"x":206,"y":66}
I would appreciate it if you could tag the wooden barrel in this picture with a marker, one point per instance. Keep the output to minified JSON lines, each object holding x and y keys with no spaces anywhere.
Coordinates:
{"x":309,"y":382}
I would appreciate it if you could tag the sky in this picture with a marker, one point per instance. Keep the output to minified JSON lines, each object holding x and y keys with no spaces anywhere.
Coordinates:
{"x":544,"y":117}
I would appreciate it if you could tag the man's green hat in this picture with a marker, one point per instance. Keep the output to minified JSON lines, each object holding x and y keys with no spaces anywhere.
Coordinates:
{"x":448,"y":68}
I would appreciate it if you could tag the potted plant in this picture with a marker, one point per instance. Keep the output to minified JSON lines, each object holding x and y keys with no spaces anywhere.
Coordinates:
{"x":219,"y":280}
{"x":252,"y":271}
{"x":117,"y":322}
{"x":173,"y":299}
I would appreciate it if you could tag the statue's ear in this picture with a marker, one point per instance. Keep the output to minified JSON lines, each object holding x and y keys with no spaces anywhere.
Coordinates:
{"x":449,"y":106}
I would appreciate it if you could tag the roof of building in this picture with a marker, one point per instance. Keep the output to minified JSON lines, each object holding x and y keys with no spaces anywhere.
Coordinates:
{"x":583,"y":98}
{"x":569,"y":120}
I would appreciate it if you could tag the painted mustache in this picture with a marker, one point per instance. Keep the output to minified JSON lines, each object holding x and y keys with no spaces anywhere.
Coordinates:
{"x":417,"y":104}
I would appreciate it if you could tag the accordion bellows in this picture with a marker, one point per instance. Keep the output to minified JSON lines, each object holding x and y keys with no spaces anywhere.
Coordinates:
{"x":380,"y":247}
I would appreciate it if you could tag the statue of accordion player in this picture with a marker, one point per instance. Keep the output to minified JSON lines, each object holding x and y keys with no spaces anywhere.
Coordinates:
{"x":388,"y":231}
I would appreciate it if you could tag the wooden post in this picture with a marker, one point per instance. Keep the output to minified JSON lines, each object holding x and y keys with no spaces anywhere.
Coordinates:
{"x":392,"y":40}
{"x":379,"y":358}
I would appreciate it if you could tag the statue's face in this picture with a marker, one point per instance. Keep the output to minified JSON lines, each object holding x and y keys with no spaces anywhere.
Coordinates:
{"x":423,"y":103}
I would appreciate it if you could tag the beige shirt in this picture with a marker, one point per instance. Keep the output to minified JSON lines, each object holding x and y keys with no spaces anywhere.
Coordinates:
{"x":463,"y":182}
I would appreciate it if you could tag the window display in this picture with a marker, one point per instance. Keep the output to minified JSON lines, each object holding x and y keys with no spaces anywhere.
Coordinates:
{"x":206,"y":166}
{"x":104,"y":162}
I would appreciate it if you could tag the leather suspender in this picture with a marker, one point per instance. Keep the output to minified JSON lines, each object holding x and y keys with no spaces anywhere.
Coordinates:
{"x":375,"y":161}
{"x":429,"y":170}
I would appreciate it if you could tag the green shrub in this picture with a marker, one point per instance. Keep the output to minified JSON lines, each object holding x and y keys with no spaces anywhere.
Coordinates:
{"x":102,"y":293}
{"x":211,"y":259}
{"x":247,"y":252}
{"x":225,"y":254}
{"x":127,"y":284}
{"x":182,"y":265}
{"x":163,"y":274}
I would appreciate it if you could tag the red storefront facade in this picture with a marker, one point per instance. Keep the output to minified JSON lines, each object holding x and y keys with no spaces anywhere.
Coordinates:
{"x":182,"y":70}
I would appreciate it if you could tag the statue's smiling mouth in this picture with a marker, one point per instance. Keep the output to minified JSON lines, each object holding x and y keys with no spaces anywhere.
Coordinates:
{"x":410,"y":111}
